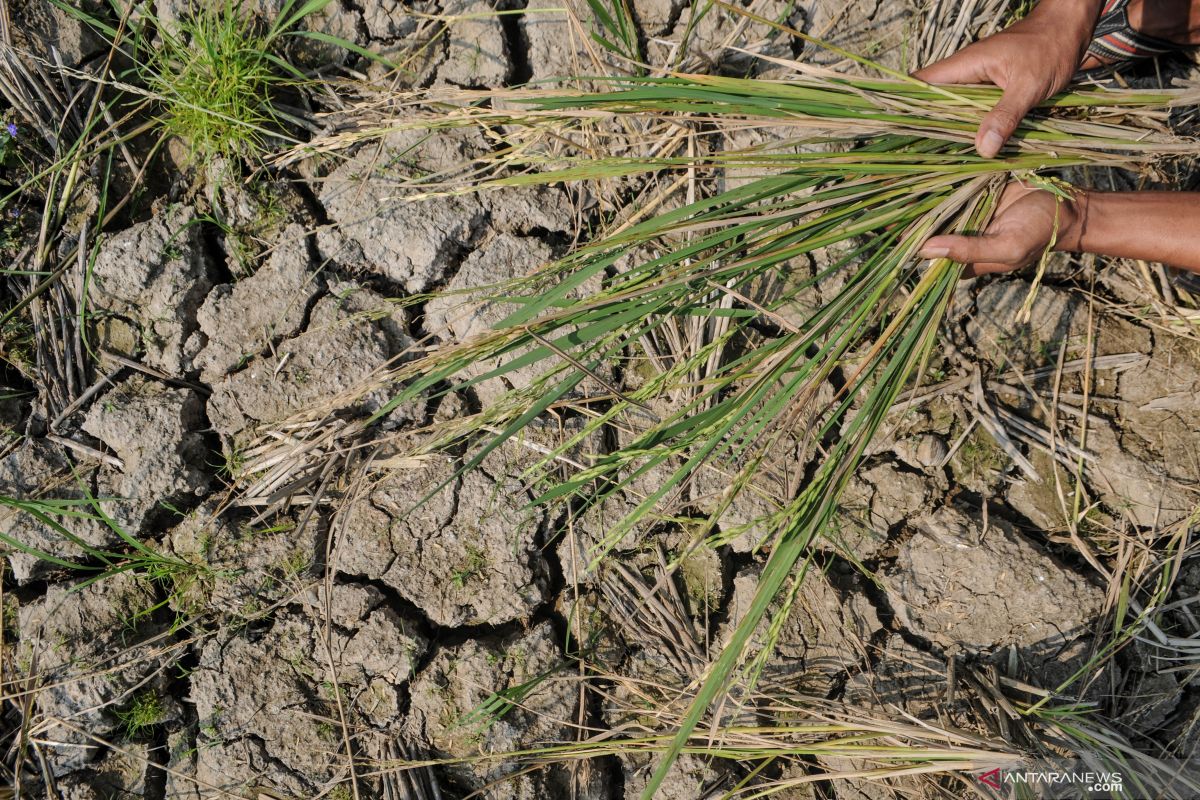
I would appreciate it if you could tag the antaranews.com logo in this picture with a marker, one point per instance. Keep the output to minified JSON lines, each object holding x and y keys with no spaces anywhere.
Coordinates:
{"x":1060,"y":779}
{"x":1054,"y":781}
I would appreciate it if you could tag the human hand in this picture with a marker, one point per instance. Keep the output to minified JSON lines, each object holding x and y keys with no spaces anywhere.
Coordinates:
{"x":1031,"y":60}
{"x":1021,"y":229}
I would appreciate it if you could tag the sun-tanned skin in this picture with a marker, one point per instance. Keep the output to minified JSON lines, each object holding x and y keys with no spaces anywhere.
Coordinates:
{"x":1031,"y":60}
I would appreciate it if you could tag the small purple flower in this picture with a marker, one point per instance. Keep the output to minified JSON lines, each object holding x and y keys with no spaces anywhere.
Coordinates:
{"x":12,"y":129}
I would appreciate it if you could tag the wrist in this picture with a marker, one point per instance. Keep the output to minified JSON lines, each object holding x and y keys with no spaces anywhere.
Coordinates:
{"x":1073,"y":223}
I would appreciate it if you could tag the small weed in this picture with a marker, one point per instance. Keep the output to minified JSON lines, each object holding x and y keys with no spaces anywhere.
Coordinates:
{"x":250,"y":609}
{"x":205,"y":544}
{"x":143,"y":713}
{"x":10,"y":215}
{"x":16,"y":346}
{"x":332,"y":691}
{"x":11,"y":614}
{"x":140,"y":560}
{"x":249,"y":532}
{"x":299,"y":661}
{"x":514,"y":658}
{"x":980,"y":456}
{"x":474,"y":564}
{"x":246,"y":240}
{"x":232,"y":463}
{"x":209,"y":731}
{"x":295,"y":564}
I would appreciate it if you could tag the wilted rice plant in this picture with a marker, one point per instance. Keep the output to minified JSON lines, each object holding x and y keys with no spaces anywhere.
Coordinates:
{"x":885,"y":164}
{"x":872,"y":747}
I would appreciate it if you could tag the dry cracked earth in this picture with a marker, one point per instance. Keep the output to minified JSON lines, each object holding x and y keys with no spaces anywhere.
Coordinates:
{"x":359,"y":626}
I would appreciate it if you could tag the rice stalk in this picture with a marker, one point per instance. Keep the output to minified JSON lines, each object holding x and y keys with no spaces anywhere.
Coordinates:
{"x":139,"y":557}
{"x":895,"y":166}
{"x":615,"y":29}
{"x":816,"y":105}
{"x":889,"y":747}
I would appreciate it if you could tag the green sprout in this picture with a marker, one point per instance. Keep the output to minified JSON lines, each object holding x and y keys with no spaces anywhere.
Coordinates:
{"x":143,"y":713}
{"x":474,"y":564}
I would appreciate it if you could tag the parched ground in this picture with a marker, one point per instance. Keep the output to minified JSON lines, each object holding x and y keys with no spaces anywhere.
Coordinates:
{"x":315,"y":646}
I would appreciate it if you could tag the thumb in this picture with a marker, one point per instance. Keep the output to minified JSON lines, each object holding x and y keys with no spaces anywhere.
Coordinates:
{"x":1001,"y":122}
{"x":986,"y":248}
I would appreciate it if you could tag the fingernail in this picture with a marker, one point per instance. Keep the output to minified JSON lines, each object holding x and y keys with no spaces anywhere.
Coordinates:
{"x":991,"y":144}
{"x":934,"y":252}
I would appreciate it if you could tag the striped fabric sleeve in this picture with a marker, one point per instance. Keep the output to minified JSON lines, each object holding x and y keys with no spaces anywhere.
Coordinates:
{"x":1115,"y":40}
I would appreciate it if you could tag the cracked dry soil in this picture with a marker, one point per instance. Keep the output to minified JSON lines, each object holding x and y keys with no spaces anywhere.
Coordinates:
{"x":371,"y":628}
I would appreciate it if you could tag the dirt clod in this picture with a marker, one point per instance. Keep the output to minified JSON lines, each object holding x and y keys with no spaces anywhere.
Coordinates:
{"x":156,"y":275}
{"x":349,"y":335}
{"x":976,"y":589}
{"x":412,"y":245}
{"x":268,"y":701}
{"x":242,"y":318}
{"x":457,"y":682}
{"x":85,"y":645}
{"x":477,"y":54}
{"x":154,"y":431}
{"x":470,"y":557}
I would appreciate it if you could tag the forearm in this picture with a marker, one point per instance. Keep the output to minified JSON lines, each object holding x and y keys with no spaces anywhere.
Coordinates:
{"x":1151,"y":226}
{"x":1073,"y":20}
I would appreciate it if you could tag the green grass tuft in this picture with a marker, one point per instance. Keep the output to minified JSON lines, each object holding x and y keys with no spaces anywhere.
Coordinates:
{"x":216,"y":79}
{"x":143,"y":713}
